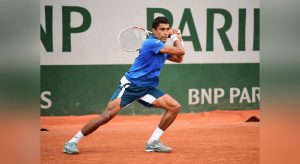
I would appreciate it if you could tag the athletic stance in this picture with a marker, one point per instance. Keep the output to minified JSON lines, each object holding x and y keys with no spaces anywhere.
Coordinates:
{"x":139,"y":84}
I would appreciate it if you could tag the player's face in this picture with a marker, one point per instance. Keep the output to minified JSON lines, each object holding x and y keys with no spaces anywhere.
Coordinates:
{"x":162,"y":32}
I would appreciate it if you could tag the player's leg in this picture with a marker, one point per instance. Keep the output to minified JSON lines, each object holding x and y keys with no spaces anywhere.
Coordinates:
{"x":110,"y":112}
{"x":125,"y":94}
{"x":172,"y":108}
{"x":160,"y":100}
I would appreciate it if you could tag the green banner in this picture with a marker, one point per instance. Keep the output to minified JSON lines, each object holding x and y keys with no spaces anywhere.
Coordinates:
{"x":86,"y":89}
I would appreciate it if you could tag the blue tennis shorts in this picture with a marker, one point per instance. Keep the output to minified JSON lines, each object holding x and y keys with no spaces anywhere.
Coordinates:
{"x":130,"y":93}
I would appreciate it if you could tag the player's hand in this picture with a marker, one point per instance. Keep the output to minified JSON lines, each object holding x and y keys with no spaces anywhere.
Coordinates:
{"x":178,"y":34}
{"x":171,"y":32}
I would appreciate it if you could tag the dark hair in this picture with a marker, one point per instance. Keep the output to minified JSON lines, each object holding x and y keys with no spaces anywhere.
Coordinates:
{"x":159,"y":20}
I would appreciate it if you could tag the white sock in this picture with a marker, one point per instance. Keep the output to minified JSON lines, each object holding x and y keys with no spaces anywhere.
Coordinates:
{"x":156,"y":135}
{"x":77,"y":137}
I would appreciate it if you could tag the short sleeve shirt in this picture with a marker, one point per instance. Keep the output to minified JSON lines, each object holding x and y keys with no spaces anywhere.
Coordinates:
{"x":147,"y":66}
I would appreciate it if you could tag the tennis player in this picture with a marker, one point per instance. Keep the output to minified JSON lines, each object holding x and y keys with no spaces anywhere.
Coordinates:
{"x":140,"y":84}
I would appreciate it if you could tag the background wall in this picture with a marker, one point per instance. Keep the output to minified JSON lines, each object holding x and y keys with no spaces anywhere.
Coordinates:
{"x":81,"y":63}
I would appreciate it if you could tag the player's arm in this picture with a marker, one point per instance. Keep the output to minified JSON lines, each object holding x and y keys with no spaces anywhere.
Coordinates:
{"x":176,"y":51}
{"x":176,"y":59}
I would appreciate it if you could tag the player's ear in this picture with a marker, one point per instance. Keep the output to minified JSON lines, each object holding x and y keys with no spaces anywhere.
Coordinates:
{"x":153,"y":31}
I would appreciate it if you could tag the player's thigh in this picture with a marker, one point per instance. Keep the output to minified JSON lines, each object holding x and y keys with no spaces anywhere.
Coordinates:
{"x":166,"y":102}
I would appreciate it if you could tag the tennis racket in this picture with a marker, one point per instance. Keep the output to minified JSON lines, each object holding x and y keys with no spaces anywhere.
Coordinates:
{"x":132,"y":38}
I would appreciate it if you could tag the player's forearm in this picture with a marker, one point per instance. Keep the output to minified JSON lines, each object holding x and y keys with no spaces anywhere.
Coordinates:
{"x":177,"y":44}
{"x":179,"y":59}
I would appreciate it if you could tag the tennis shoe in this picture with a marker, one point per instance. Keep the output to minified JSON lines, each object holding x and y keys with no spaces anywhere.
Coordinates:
{"x":71,"y":148}
{"x":157,"y":146}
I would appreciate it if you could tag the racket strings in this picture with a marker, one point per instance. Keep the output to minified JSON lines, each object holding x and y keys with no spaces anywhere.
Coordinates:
{"x":132,"y":39}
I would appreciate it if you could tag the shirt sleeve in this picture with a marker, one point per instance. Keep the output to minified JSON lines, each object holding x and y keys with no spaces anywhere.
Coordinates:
{"x":156,"y":45}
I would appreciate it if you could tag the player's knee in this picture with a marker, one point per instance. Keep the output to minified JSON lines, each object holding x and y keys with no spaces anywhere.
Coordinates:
{"x":176,"y":108}
{"x":106,"y":117}
{"x":110,"y":112}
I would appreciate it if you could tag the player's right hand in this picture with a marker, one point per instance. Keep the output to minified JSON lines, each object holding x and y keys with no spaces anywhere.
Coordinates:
{"x":171,"y":32}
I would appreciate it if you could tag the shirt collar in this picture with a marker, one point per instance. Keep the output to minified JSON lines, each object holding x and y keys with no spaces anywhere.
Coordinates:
{"x":151,"y":36}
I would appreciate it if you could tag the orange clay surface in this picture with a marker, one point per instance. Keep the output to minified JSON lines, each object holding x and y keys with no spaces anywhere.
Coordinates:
{"x":221,"y":137}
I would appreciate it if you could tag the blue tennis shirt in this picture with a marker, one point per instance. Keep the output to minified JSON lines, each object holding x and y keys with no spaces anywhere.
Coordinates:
{"x":146,"y":68}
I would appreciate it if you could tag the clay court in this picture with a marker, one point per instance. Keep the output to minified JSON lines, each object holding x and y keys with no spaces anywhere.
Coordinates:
{"x":208,"y":137}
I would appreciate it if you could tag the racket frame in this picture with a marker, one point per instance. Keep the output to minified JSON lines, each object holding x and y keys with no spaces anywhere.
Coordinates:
{"x":133,"y":27}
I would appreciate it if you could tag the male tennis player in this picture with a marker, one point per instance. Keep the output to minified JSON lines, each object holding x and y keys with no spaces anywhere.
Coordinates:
{"x":139,"y":84}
